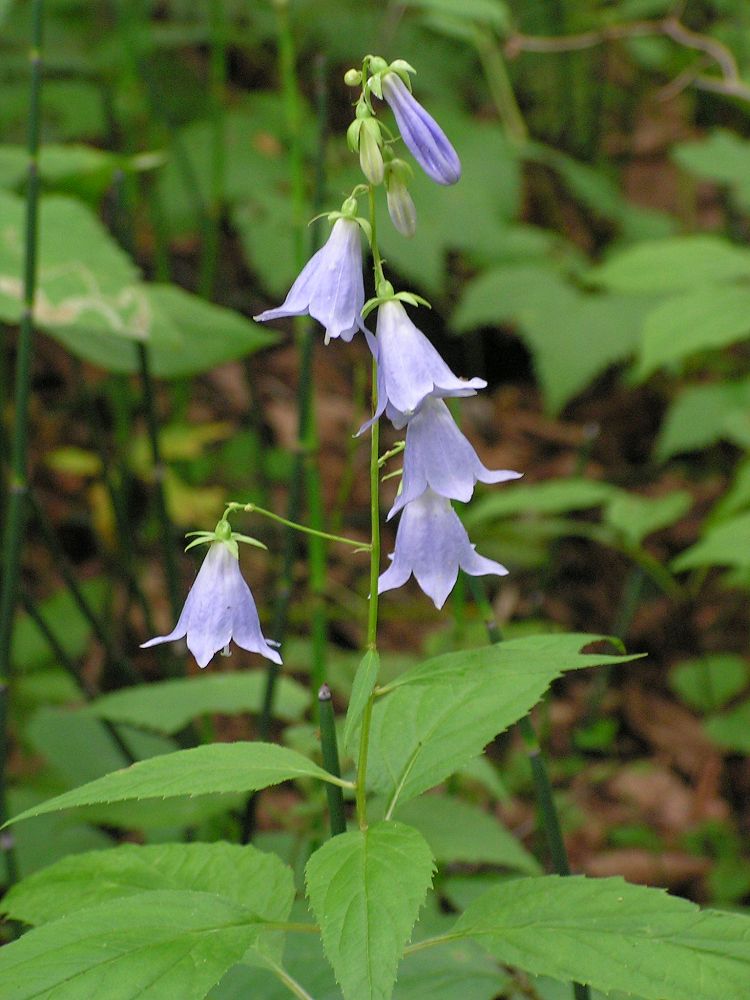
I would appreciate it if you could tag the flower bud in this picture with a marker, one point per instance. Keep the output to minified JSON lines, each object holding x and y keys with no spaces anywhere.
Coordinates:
{"x":370,"y":157}
{"x":353,"y":78}
{"x":401,"y":207}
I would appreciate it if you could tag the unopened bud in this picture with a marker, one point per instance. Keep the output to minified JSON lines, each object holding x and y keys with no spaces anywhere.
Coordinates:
{"x":401,"y":206}
{"x":370,"y":157}
{"x":353,"y":78}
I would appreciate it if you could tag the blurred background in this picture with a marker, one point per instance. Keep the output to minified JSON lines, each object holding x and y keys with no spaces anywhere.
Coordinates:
{"x":591,"y":265}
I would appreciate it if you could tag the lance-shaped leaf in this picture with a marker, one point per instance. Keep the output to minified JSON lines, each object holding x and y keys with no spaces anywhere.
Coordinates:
{"x":366,"y":888}
{"x":216,"y":769}
{"x":613,"y":936}
{"x":439,"y":715}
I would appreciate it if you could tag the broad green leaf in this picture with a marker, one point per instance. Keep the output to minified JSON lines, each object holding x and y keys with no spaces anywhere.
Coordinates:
{"x":677,"y":264}
{"x":492,"y":13}
{"x":724,"y":156}
{"x":149,"y":946}
{"x":705,"y":319}
{"x":364,"y":682}
{"x":613,"y":936}
{"x":260,"y":882}
{"x":178,"y":344}
{"x":731,"y":729}
{"x":634,"y":517}
{"x":442,"y":713}
{"x":458,"y":831}
{"x":737,"y":497}
{"x":215,"y":769}
{"x":551,"y":497}
{"x":562,"y":326}
{"x":699,"y":416}
{"x":710,"y":682}
{"x":83,"y":169}
{"x":724,"y":544}
{"x":366,"y":888}
{"x":84,"y":278}
{"x":168,"y":706}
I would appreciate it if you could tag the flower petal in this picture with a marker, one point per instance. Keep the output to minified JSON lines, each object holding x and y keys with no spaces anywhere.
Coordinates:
{"x":427,"y":142}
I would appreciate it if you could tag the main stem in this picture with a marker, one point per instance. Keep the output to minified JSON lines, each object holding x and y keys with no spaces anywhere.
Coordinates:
{"x":14,"y":525}
{"x":372,"y":612}
{"x":540,"y":774}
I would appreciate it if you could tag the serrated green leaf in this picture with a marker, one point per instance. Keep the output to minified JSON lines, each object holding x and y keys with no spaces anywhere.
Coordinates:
{"x":677,"y":264}
{"x":148,"y":946}
{"x":445,"y":711}
{"x":365,"y":920}
{"x":702,"y":320}
{"x":552,"y":497}
{"x":459,"y":831}
{"x":710,"y":682}
{"x":364,"y":682}
{"x":215,"y":769}
{"x":724,"y":156}
{"x":260,"y":882}
{"x":168,"y":706}
{"x":613,"y":936}
{"x":634,"y":517}
{"x":724,"y":544}
{"x":731,"y":729}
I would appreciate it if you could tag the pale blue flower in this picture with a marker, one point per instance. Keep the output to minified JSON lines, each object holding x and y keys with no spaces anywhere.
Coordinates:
{"x":409,"y":367}
{"x":330,"y":287}
{"x":432,"y":544}
{"x":440,"y":458}
{"x":425,"y":139}
{"x":219,"y":608}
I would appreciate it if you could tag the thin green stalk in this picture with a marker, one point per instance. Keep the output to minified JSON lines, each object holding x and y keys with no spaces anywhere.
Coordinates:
{"x":217,"y":90}
{"x":15,"y":517}
{"x":500,"y":87}
{"x":252,"y":508}
{"x":540,"y":775}
{"x":331,"y":762}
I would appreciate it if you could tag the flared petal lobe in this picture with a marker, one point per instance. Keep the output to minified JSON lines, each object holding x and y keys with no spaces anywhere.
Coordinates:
{"x":425,"y":139}
{"x":440,"y":458}
{"x":432,"y":544}
{"x":219,"y":608}
{"x":330,"y":287}
{"x":409,"y":367}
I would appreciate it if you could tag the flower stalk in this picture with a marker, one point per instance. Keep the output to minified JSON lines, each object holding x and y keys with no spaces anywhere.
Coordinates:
{"x":331,"y":762}
{"x":16,"y":512}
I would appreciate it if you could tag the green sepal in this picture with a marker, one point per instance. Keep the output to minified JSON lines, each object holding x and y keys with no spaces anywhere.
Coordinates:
{"x":248,"y":540}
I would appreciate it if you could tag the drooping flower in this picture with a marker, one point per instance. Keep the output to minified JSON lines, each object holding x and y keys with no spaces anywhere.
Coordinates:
{"x":409,"y":367}
{"x":432,"y":544}
{"x":218,"y":609}
{"x":440,"y":458}
{"x":400,"y":203}
{"x":330,"y":287}
{"x":427,"y":142}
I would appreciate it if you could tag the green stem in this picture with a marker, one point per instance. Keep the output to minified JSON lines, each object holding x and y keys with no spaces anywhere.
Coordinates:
{"x":15,"y":516}
{"x":217,"y":89}
{"x":500,"y":87}
{"x":297,"y":989}
{"x":540,"y":775}
{"x":251,"y":508}
{"x":331,"y":760}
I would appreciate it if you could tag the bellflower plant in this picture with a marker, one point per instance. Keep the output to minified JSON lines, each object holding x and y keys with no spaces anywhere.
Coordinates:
{"x":330,"y":287}
{"x":432,"y":544}
{"x":426,"y":141}
{"x":439,"y":457}
{"x":219,"y":607}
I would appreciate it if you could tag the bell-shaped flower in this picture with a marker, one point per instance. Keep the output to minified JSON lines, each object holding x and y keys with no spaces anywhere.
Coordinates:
{"x":218,"y":609}
{"x":330,"y":287}
{"x":425,"y":139}
{"x":432,"y":544}
{"x":409,"y":367}
{"x":440,"y":458}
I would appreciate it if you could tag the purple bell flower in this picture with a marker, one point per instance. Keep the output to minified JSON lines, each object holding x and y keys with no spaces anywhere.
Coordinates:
{"x":432,"y":544}
{"x":440,"y":458}
{"x":427,"y":142}
{"x":330,"y":287}
{"x":409,"y":367}
{"x":219,"y":608}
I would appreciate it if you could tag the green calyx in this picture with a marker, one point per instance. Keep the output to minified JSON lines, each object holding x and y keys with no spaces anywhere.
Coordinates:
{"x":222,"y":533}
{"x":387,"y":294}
